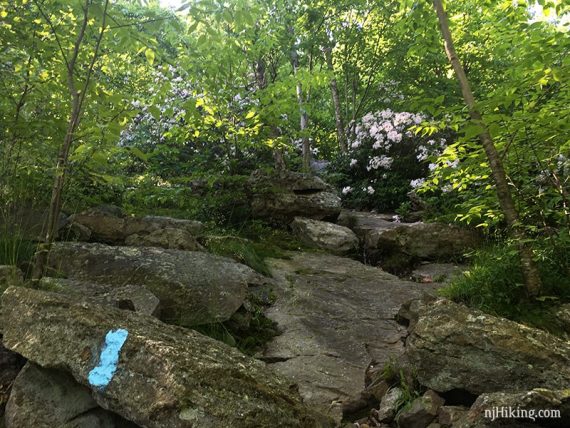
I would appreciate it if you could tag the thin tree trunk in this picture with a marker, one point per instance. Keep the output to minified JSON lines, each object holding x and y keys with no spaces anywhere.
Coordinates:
{"x":304,"y":120}
{"x":529,"y":269}
{"x":340,"y":132}
{"x":77,"y":99}
{"x":261,"y":83}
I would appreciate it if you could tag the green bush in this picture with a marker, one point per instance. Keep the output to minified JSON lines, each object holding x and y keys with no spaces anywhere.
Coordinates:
{"x":386,"y":159}
{"x":494,"y":283}
{"x":239,"y":249}
{"x":220,"y":199}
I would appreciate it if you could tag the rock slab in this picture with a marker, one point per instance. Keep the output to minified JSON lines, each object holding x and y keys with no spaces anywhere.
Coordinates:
{"x":193,"y":287}
{"x":452,"y":347}
{"x":335,"y":315}
{"x":166,"y":376}
{"x":131,"y":297}
{"x":324,"y":235}
{"x":109,"y":224}
{"x":282,"y":196}
{"x":384,"y":237}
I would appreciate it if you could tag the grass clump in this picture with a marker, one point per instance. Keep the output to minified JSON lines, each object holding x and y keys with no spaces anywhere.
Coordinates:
{"x":251,"y":244}
{"x":239,"y":249}
{"x":495,"y":284}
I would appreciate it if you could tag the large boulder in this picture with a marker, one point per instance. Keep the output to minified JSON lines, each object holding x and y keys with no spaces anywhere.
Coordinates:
{"x":324,"y":235}
{"x":335,"y":315}
{"x":384,"y":238}
{"x":453,"y":348}
{"x":47,"y":398}
{"x":131,"y":297}
{"x":111,"y":225}
{"x":193,"y":287}
{"x":176,"y":239}
{"x":284,"y":195}
{"x":105,"y":223}
{"x":151,"y":373}
{"x":149,"y":224}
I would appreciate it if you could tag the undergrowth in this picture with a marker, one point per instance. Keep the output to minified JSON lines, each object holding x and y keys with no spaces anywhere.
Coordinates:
{"x":249,"y":337}
{"x":494,"y":283}
{"x":251,"y":244}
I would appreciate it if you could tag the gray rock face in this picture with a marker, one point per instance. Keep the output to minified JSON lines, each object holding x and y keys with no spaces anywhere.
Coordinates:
{"x":104,"y":223}
{"x":424,"y":241}
{"x":324,"y":235}
{"x":449,"y":416}
{"x":109,"y":224}
{"x":10,"y":275}
{"x":454,"y":347}
{"x":43,"y":398}
{"x":176,"y":239}
{"x":284,"y":196}
{"x":132,"y":297}
{"x":441,"y":273}
{"x":388,"y":405}
{"x":193,"y":287}
{"x":422,"y":411}
{"x":164,"y":376}
{"x":336,"y":315}
{"x":491,"y":410}
{"x":149,"y":224}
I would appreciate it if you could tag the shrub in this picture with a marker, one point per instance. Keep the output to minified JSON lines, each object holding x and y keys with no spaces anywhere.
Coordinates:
{"x":494,"y":283}
{"x":386,"y":159}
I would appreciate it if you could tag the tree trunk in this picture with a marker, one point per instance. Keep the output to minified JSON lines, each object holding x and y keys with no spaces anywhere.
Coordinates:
{"x":529,"y":269}
{"x":306,"y":143}
{"x":340,"y":132}
{"x":261,"y":82}
{"x":77,"y":98}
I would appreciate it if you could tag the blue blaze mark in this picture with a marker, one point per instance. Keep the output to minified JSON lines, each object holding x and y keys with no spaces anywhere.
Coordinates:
{"x":102,"y":374}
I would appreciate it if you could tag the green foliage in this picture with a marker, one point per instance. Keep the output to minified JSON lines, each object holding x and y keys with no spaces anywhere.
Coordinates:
{"x":494,"y":282}
{"x":248,"y":340}
{"x":251,"y":244}
{"x":219,"y":199}
{"x":180,"y":108}
{"x":259,"y":332}
{"x":396,"y":376}
{"x":15,"y":250}
{"x":217,"y":331}
{"x":239,"y":249}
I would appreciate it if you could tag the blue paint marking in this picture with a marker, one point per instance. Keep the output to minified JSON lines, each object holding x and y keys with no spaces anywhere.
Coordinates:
{"x":102,"y":374}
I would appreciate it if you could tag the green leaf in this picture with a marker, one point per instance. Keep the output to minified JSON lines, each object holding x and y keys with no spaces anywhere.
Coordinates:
{"x":149,"y":53}
{"x":139,"y":154}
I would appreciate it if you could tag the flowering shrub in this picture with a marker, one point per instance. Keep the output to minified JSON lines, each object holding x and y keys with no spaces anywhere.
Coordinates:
{"x":386,"y":160}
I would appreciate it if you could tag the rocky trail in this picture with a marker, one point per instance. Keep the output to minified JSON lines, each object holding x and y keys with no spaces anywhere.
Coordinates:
{"x":335,"y":315}
{"x":108,"y":339}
